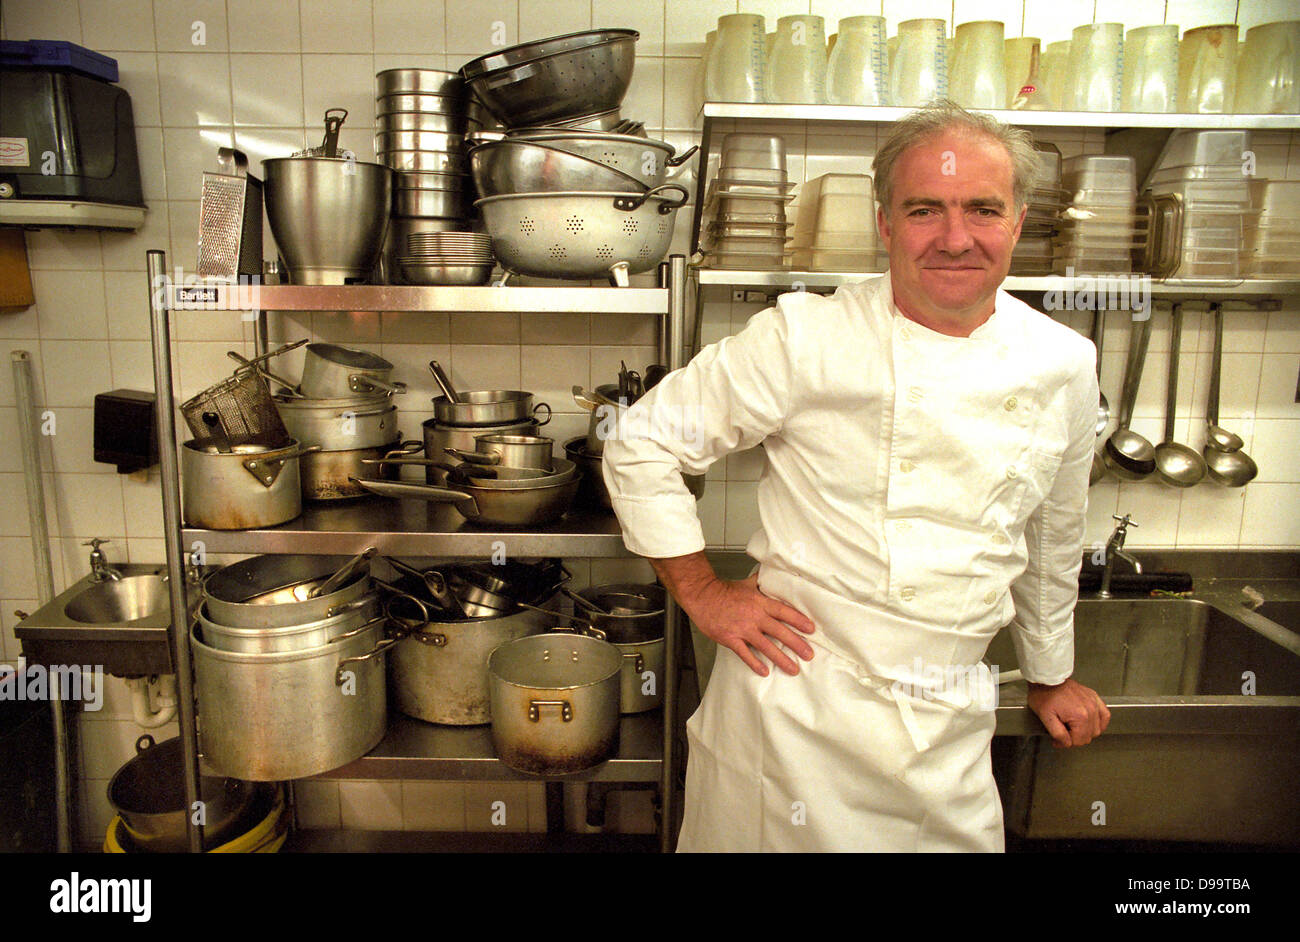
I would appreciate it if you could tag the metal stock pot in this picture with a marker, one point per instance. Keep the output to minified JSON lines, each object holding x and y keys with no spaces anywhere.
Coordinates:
{"x":249,"y":486}
{"x":439,"y":669}
{"x":340,"y":424}
{"x":555,"y":702}
{"x":291,"y":714}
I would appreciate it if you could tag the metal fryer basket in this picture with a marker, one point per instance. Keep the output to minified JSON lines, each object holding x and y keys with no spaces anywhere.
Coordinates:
{"x":238,"y":410}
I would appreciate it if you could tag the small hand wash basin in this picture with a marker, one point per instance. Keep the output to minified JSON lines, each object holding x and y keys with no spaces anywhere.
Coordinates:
{"x":130,"y":599}
{"x":1204,"y":737}
{"x":119,"y":624}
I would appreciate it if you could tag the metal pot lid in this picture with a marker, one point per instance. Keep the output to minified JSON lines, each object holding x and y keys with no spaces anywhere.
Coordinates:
{"x":345,"y":356}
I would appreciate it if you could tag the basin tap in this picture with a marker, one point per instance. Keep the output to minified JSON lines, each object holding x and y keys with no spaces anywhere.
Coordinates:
{"x":100,"y":570}
{"x":1115,"y":550}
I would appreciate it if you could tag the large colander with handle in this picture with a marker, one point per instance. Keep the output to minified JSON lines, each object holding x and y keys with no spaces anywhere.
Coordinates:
{"x":582,"y":235}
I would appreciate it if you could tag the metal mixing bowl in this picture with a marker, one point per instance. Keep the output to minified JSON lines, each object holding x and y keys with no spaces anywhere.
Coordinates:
{"x":328,"y":215}
{"x":555,"y":79}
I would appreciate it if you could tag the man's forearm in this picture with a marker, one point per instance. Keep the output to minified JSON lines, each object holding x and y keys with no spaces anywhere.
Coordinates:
{"x":685,"y":577}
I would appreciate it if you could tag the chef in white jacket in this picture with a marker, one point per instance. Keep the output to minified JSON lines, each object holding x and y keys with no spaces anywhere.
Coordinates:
{"x":928,"y":440}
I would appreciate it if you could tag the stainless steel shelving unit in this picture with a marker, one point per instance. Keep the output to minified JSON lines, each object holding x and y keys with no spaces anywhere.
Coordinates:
{"x":1255,"y":293}
{"x":411,"y":748}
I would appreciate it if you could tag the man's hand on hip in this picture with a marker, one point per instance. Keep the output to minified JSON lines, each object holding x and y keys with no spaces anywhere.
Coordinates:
{"x":737,"y":615}
{"x":1073,"y":714}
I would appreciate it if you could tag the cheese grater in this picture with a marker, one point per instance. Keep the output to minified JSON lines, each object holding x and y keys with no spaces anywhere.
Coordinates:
{"x":230,"y":219}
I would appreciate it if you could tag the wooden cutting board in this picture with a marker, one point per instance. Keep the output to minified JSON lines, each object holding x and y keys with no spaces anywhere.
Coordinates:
{"x":15,"y":276}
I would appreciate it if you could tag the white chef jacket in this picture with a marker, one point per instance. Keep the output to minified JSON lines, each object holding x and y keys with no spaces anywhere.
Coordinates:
{"x":921,"y":491}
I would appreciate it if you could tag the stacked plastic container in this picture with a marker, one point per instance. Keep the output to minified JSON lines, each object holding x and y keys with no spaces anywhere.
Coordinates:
{"x":1203,"y":170}
{"x":1033,"y":254}
{"x":1098,"y":229}
{"x":836,"y":226}
{"x":746,"y":204}
{"x":1272,"y":240}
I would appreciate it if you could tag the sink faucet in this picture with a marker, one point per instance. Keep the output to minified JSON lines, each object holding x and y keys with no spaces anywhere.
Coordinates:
{"x":1115,"y":550}
{"x":100,"y":570}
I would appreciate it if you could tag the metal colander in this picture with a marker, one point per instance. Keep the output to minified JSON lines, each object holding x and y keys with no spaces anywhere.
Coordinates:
{"x":581,"y":235}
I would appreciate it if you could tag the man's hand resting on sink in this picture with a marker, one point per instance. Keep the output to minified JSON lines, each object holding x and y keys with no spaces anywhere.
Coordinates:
{"x":1073,"y":714}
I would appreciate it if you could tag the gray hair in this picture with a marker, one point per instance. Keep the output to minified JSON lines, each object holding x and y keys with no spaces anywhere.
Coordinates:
{"x":938,"y":116}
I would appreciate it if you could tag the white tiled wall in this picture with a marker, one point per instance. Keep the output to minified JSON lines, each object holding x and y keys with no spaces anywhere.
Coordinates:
{"x":206,"y":73}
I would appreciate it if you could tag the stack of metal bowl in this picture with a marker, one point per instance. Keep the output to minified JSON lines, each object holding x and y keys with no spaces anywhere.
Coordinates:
{"x":422,"y":116}
{"x":445,"y":258}
{"x":570,"y":190}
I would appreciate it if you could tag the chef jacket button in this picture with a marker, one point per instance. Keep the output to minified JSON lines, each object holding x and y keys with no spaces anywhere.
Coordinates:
{"x":907,"y":593}
{"x":990,"y":597}
{"x":1010,"y":404}
{"x":1012,"y":472}
{"x":905,"y":332}
{"x":1000,"y":539}
{"x":915,"y":394}
{"x":905,"y":465}
{"x":902,"y":525}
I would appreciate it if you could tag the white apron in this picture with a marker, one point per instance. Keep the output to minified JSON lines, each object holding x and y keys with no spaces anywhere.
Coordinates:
{"x":839,"y":759}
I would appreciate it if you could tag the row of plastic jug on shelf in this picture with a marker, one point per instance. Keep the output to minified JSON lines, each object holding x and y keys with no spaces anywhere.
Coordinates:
{"x":1102,"y":68}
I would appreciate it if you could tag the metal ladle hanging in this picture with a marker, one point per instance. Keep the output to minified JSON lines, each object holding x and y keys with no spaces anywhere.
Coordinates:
{"x":1176,"y":464}
{"x":1226,"y":462}
{"x":1127,"y":454}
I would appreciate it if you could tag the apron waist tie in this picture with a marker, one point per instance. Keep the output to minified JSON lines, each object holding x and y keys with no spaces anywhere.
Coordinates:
{"x":901,"y":694}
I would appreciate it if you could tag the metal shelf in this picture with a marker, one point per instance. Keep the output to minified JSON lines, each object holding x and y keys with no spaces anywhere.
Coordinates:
{"x":1081,"y":119}
{"x":414,"y":528}
{"x":541,"y":300}
{"x":413,"y":749}
{"x":1172,"y":290}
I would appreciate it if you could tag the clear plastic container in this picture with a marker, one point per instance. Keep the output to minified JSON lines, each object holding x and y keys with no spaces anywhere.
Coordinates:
{"x":1225,"y":173}
{"x":1087,"y":265}
{"x":1276,"y":197}
{"x":744,"y":174}
{"x":733,"y":260}
{"x":1092,"y":171}
{"x":1185,"y":148}
{"x":746,"y":218}
{"x":758,"y":150}
{"x":748,"y":246}
{"x":1236,"y":192}
{"x":835,"y":201}
{"x":1208,"y":264}
{"x":818,"y":259}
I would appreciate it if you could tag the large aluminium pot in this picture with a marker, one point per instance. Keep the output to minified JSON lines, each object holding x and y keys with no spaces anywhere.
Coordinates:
{"x":271,"y":591}
{"x":488,"y":407}
{"x":555,"y":702}
{"x":438,"y":437}
{"x":249,"y":486}
{"x":439,"y":670}
{"x":327,"y":475}
{"x":340,"y":424}
{"x":288,"y":715}
{"x":333,"y":372}
{"x":148,"y":792}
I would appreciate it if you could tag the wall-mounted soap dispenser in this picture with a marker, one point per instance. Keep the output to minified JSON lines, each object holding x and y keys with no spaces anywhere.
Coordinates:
{"x":126,"y":431}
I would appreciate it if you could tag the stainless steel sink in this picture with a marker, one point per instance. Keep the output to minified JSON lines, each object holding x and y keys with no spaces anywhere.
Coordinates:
{"x":120,"y":625}
{"x":129,"y":599}
{"x":1204,"y":739}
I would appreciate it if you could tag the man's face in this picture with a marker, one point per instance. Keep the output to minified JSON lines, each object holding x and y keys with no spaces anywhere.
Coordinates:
{"x":950,"y":229}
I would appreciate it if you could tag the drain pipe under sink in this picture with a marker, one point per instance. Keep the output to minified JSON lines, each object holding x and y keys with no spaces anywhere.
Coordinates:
{"x":142,"y":710}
